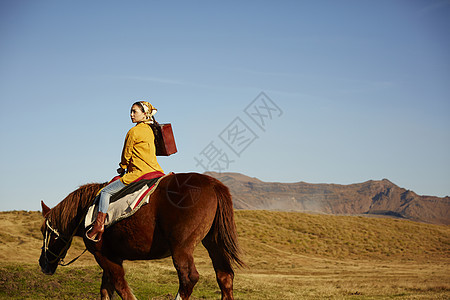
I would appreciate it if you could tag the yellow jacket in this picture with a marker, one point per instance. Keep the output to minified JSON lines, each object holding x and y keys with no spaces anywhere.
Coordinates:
{"x":139,"y":153}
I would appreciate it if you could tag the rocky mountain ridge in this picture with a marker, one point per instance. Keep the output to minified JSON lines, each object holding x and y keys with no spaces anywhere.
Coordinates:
{"x":380,"y":197}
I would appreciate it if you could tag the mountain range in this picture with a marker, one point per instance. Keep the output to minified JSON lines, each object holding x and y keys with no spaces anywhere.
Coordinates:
{"x":373,"y":197}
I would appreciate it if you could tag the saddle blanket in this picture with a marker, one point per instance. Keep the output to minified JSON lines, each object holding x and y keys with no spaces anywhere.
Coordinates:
{"x":127,"y":201}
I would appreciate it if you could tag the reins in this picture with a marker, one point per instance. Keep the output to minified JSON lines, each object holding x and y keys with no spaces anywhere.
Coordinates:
{"x":67,"y":241}
{"x":62,"y":264}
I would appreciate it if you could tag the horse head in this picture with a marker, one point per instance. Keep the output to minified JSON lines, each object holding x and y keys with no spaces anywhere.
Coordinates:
{"x":62,"y":223}
{"x":55,"y":245}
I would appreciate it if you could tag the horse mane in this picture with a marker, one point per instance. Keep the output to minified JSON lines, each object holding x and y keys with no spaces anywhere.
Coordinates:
{"x":63,"y":216}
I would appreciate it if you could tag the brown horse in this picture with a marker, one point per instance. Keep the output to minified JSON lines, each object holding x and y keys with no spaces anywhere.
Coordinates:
{"x":183,"y":210}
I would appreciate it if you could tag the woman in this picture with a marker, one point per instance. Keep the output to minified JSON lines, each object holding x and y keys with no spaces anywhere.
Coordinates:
{"x":138,"y":158}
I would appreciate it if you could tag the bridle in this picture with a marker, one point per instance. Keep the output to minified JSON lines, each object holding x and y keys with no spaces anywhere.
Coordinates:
{"x":49,"y":231}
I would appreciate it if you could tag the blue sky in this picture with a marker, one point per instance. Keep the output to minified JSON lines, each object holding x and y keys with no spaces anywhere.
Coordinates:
{"x":362,"y":90}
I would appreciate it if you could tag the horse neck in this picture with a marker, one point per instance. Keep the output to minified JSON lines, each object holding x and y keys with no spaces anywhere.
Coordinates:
{"x":68,"y":215}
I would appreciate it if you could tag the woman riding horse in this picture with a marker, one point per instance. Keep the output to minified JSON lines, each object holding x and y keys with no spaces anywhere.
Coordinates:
{"x":184,"y":210}
{"x":138,"y":158}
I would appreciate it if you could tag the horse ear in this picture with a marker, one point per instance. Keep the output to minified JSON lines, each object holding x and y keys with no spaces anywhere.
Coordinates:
{"x":45,"y":209}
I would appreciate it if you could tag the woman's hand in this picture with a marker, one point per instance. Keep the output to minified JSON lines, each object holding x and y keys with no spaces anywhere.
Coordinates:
{"x":121,"y":171}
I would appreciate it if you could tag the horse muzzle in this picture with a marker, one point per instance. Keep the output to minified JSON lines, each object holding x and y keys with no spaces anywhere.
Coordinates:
{"x":46,"y":267}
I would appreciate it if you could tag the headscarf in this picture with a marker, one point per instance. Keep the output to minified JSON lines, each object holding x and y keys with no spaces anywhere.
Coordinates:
{"x":149,"y":111}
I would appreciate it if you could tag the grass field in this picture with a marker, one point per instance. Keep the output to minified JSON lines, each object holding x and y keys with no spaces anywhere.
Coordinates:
{"x":289,"y":256}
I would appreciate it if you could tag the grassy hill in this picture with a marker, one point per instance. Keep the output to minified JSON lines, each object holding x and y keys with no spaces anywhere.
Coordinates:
{"x":289,"y":255}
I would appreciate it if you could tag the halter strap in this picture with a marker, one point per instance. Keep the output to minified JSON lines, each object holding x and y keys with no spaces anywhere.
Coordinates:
{"x":67,"y":241}
{"x":66,"y":246}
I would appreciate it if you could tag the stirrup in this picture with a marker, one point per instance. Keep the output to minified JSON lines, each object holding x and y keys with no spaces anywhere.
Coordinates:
{"x":93,"y":239}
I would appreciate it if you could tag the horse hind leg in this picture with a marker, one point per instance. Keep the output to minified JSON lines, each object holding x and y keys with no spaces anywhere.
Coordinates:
{"x":187,"y":272}
{"x":222,"y":267}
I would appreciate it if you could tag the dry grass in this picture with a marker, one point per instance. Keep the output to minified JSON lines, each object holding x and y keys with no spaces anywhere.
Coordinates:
{"x":289,"y":256}
{"x":344,"y":237}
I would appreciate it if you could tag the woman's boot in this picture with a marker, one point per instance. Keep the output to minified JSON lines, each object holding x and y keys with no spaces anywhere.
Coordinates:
{"x":99,"y":227}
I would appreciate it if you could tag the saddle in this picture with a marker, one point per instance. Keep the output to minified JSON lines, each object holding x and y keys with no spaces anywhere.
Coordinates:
{"x":127,"y":201}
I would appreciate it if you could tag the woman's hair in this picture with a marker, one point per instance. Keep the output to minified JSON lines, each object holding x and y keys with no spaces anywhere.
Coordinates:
{"x":148,"y":109}
{"x":140,"y":105}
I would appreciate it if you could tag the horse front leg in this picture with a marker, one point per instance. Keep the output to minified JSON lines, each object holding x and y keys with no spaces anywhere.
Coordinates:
{"x":107,"y":288}
{"x":113,"y":279}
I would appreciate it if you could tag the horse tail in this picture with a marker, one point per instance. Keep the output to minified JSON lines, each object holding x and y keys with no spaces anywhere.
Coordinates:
{"x":224,"y":228}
